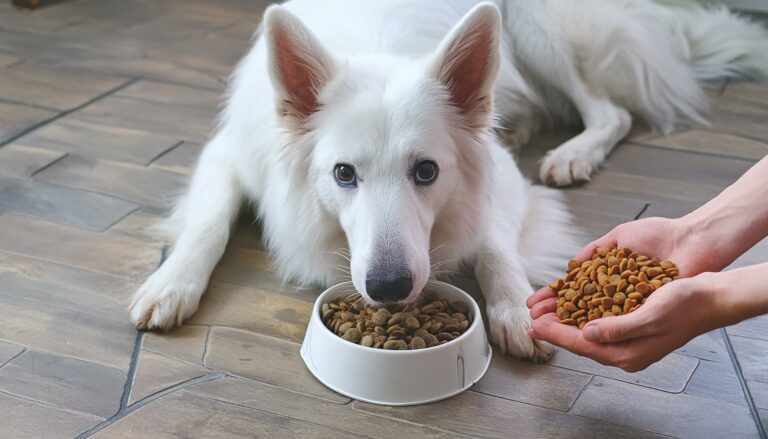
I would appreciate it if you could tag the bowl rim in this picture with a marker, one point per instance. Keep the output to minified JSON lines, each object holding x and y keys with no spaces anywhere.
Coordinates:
{"x":316,"y":317}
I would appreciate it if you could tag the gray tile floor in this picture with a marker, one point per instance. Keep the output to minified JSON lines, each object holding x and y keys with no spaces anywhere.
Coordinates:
{"x":104,"y":105}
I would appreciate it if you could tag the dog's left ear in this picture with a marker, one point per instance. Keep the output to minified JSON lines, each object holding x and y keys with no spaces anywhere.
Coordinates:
{"x":467,"y":62}
{"x":299,"y":66}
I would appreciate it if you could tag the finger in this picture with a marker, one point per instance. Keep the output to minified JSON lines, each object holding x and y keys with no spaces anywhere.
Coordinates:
{"x":549,"y":328}
{"x":620,"y":328}
{"x":543,"y":307}
{"x":538,"y":296}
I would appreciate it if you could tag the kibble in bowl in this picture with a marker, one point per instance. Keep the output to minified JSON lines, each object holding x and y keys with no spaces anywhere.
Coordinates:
{"x":615,"y":281}
{"x":397,"y":327}
{"x":345,"y":351}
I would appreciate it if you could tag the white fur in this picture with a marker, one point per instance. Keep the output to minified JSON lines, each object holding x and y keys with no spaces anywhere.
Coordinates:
{"x":385,"y":80}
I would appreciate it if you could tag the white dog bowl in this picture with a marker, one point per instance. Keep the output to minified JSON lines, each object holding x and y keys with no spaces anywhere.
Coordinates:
{"x":397,"y":377}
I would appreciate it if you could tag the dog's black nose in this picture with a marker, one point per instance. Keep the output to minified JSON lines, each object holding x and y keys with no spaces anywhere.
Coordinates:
{"x":389,"y":289}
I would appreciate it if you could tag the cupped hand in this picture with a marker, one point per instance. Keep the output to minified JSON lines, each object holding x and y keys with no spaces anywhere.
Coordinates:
{"x":672,"y":315}
{"x":662,"y":238}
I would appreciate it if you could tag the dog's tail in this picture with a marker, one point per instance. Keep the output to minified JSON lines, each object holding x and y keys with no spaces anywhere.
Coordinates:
{"x":549,"y":238}
{"x":724,"y":44}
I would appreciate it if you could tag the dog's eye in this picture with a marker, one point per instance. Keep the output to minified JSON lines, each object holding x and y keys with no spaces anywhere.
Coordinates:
{"x":426,"y":172}
{"x":345,"y":175}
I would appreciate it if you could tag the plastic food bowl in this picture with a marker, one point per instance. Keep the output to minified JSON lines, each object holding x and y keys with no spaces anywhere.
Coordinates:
{"x":397,"y":377}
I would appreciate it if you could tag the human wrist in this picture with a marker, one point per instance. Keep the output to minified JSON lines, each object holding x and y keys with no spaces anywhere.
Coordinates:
{"x":705,"y":235}
{"x":728,"y":303}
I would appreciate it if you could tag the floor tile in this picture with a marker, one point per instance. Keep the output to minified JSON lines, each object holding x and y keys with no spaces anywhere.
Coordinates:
{"x":102,"y":141}
{"x":64,"y":383}
{"x":155,"y":372}
{"x":670,"y":374}
{"x":76,"y":334}
{"x":677,"y":415}
{"x":21,"y":418}
{"x":278,"y":401}
{"x":95,"y":251}
{"x":176,"y":121}
{"x":181,"y":159}
{"x":185,"y":415}
{"x":756,"y":327}
{"x":9,"y":351}
{"x":149,"y":187}
{"x":64,"y":286}
{"x":17,"y":161}
{"x":536,"y":384}
{"x":54,"y":87}
{"x":265,"y":359}
{"x":17,"y":118}
{"x":186,"y":343}
{"x":752,"y":354}
{"x":78,"y":208}
{"x":501,"y":418}
{"x":712,"y":142}
{"x":716,"y":381}
{"x":257,"y":310}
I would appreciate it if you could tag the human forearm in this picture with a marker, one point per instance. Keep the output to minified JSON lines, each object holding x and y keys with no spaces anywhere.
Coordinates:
{"x":733,"y":221}
{"x":739,"y":294}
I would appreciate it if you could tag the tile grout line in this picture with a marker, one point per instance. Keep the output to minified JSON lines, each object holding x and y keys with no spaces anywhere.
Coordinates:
{"x":205,"y":346}
{"x":124,"y":409}
{"x":28,"y":130}
{"x":23,"y":350}
{"x":25,"y":104}
{"x":43,"y":168}
{"x":131,"y":376}
{"x":743,"y":382}
{"x":141,"y":403}
{"x":164,"y":152}
{"x":581,"y":392}
{"x":642,"y":211}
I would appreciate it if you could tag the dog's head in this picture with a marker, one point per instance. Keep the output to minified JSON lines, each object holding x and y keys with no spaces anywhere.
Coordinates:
{"x":392,"y":145}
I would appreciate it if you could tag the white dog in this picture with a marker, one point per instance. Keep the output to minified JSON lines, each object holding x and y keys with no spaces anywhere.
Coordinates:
{"x":367,"y":127}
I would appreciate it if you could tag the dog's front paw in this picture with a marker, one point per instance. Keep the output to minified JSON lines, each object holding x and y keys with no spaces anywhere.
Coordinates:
{"x":565,"y":166}
{"x":165,"y":300}
{"x":509,"y":331}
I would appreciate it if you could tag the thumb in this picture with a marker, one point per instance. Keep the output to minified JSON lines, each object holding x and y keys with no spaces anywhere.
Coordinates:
{"x":618,"y":328}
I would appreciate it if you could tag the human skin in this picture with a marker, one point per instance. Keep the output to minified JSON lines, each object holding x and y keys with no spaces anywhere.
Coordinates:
{"x":701,"y":244}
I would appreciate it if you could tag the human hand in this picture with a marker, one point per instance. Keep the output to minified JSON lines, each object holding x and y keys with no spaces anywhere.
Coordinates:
{"x":662,"y":238}
{"x":671,"y":316}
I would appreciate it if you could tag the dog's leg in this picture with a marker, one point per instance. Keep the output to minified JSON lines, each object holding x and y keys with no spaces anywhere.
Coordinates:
{"x":501,"y":275}
{"x":605,"y":124}
{"x":173,"y":292}
{"x":551,"y":60}
{"x":499,"y":266}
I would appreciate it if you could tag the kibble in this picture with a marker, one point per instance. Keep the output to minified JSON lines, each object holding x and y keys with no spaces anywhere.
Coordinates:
{"x":616,"y":281}
{"x":397,"y":327}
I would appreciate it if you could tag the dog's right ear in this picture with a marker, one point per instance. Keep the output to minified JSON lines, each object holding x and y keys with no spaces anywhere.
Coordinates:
{"x":298,"y":64}
{"x":467,"y":62}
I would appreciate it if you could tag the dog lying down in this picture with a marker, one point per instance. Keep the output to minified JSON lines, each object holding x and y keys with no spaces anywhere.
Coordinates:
{"x":363,"y":132}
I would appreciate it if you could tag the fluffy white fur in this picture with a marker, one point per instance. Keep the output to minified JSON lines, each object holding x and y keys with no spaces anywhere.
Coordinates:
{"x":382,"y":85}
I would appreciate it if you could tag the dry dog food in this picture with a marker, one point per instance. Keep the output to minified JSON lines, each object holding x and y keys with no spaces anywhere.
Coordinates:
{"x":396,"y":327}
{"x":614,"y":282}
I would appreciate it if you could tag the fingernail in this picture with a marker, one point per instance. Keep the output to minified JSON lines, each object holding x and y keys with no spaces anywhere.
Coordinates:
{"x":591,"y":332}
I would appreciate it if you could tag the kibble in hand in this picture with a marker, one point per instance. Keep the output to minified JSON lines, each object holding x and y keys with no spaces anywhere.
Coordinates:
{"x":399,"y":327}
{"x":616,"y":281}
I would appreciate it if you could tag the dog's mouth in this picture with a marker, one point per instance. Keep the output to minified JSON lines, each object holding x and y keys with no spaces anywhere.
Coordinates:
{"x":417,"y":301}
